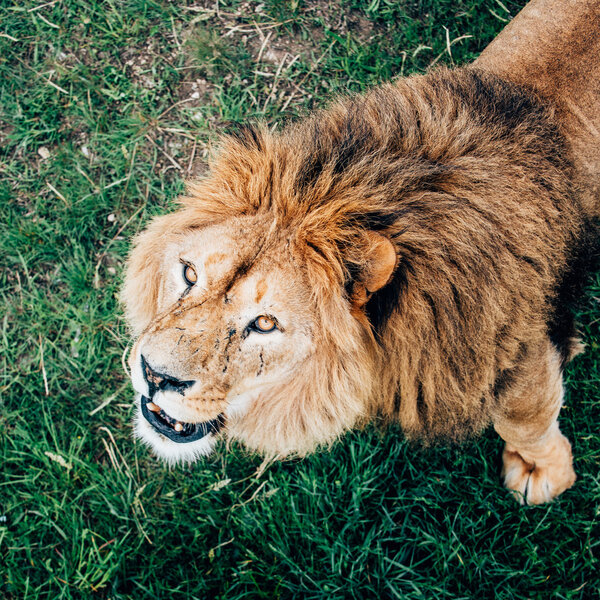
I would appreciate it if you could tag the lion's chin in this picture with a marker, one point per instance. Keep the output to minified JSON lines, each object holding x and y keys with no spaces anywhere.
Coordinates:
{"x":168,"y":450}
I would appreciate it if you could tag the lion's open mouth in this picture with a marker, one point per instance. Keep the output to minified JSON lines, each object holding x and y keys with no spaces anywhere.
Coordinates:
{"x":177,"y":430}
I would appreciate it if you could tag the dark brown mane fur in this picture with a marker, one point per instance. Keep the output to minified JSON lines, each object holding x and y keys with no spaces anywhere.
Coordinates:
{"x":470,"y":178}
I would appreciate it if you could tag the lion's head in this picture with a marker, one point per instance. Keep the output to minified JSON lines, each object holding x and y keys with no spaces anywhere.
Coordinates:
{"x":249,"y":316}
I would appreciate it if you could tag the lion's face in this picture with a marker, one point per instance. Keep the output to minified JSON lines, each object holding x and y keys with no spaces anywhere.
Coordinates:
{"x":233,"y":321}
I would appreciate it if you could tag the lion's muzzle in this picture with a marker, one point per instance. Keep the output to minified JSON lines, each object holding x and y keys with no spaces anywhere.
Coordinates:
{"x":174,"y":429}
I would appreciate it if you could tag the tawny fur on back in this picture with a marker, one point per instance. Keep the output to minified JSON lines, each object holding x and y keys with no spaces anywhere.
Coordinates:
{"x":469,"y":178}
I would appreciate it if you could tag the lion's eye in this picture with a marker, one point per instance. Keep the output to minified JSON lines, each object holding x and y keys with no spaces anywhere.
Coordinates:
{"x":264,"y":324}
{"x":189,"y":274}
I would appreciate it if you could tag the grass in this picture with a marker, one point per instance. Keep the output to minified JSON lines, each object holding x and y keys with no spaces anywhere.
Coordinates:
{"x":105,"y":108}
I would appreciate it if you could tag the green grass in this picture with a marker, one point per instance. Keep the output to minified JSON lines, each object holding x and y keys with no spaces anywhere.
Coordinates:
{"x":105,"y":108}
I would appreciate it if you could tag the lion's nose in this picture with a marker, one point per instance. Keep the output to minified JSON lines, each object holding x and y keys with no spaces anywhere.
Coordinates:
{"x":162,"y":381}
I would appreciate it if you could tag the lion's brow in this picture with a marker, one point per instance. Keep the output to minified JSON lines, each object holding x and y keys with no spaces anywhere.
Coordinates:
{"x":241,"y":270}
{"x":245,"y":265}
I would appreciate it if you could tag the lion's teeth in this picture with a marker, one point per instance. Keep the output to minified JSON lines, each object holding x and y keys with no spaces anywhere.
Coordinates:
{"x":178,"y":426}
{"x":153,"y":407}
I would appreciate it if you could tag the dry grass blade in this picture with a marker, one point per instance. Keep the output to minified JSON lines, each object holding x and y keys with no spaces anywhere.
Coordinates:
{"x":43,"y":366}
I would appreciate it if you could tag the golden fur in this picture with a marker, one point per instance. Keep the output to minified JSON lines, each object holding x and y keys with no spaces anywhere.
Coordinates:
{"x":417,"y":239}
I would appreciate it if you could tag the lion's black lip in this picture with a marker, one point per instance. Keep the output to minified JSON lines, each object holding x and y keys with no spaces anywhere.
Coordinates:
{"x":190,"y":432}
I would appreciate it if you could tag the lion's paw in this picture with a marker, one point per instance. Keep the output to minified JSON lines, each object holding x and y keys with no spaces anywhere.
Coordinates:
{"x":536,"y":482}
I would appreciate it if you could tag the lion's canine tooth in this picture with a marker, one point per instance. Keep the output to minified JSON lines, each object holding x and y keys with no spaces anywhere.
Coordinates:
{"x":153,"y":407}
{"x":178,"y":426}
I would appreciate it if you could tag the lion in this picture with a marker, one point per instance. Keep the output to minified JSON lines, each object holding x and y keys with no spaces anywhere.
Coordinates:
{"x":402,"y":255}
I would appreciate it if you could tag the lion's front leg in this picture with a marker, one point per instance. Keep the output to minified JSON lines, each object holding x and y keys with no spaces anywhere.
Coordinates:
{"x":537,"y":459}
{"x":540,"y":472}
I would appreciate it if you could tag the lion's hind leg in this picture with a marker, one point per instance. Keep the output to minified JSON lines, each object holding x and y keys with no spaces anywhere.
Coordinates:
{"x":537,"y":459}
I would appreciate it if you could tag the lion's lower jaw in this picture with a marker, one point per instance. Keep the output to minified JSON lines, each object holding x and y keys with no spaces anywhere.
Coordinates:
{"x":172,"y":452}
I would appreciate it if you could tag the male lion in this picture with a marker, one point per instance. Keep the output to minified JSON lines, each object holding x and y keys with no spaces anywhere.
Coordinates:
{"x":403,"y":254}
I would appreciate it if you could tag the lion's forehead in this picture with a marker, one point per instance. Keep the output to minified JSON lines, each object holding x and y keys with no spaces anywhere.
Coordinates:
{"x":235,"y":259}
{"x":215,"y":250}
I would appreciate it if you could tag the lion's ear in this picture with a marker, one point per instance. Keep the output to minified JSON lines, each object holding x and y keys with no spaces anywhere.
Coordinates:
{"x":378,"y":266}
